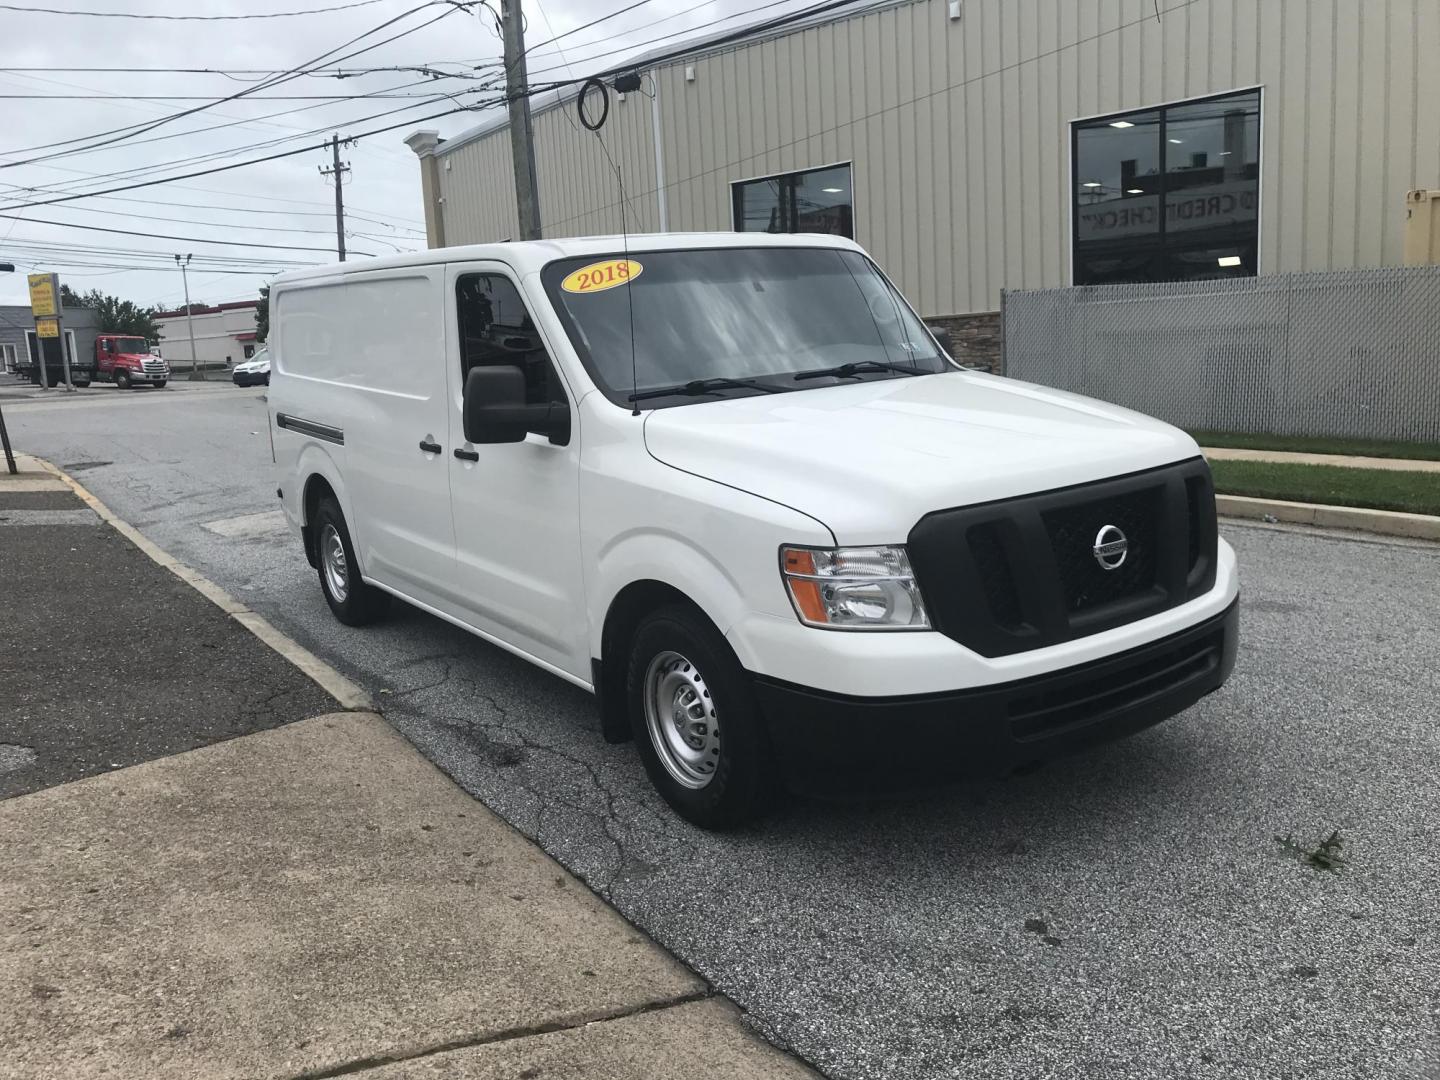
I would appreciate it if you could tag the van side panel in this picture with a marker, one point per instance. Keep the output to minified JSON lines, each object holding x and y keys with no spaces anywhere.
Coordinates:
{"x":366,"y":354}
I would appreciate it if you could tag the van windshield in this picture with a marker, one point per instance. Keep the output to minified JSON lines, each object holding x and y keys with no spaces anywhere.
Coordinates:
{"x":758,"y":316}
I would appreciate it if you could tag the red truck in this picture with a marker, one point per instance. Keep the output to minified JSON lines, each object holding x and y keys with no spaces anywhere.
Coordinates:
{"x":127,"y":361}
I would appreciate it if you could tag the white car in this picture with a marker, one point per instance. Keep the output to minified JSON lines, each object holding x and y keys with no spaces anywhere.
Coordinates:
{"x":733,"y":486}
{"x":252,"y":372}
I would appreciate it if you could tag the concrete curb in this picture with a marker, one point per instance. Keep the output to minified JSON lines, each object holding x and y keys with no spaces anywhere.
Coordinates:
{"x":1383,"y":522}
{"x":350,"y":695}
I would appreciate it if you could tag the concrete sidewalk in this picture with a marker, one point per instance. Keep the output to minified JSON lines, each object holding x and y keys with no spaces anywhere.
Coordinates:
{"x":315,"y":900}
{"x":206,"y":871}
{"x":1289,"y":457}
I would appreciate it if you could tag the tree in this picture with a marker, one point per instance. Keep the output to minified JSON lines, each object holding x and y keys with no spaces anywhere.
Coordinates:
{"x":70,"y":298}
{"x":262,"y":316}
{"x":116,"y":316}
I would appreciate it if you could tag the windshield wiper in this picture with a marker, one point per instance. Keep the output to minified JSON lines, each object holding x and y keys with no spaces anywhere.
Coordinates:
{"x":846,"y":371}
{"x":696,"y":387}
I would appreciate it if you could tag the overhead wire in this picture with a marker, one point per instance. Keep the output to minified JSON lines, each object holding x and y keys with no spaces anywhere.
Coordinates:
{"x":187,"y":18}
{"x":236,"y":165}
{"x":164,"y":236}
{"x":129,"y":131}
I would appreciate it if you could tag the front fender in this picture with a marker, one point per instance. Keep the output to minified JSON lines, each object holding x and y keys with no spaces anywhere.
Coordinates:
{"x":670,"y":559}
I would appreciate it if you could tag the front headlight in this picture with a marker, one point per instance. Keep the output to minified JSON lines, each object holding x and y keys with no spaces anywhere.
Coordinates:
{"x":853,"y":588}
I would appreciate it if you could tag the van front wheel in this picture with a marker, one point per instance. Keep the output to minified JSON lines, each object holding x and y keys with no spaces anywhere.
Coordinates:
{"x":698,"y":728}
{"x":353,"y":602}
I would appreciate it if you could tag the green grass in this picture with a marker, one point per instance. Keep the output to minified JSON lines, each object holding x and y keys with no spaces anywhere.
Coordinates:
{"x":1377,"y":489}
{"x":1386,"y":448}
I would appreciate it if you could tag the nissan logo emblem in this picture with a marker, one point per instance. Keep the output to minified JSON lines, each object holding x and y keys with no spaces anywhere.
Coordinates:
{"x":1110,"y":548}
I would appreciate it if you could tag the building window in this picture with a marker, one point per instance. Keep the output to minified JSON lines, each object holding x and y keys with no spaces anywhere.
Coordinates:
{"x":249,"y":351}
{"x":7,"y":358}
{"x":813,"y":201}
{"x":1168,"y":194}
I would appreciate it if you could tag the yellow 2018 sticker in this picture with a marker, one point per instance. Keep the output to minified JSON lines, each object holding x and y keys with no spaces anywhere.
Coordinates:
{"x":597,"y":277}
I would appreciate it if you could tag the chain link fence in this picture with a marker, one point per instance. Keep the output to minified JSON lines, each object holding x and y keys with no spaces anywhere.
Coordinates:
{"x":1350,"y":353}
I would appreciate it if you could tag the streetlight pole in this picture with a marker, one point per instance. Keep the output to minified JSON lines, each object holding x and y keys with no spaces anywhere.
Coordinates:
{"x":195,"y":372}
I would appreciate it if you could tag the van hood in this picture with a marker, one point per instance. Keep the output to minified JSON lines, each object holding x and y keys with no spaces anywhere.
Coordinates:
{"x":870,"y":459}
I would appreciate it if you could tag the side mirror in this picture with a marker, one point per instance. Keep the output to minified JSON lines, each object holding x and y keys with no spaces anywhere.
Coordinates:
{"x":495,"y":409}
{"x":942,"y":338}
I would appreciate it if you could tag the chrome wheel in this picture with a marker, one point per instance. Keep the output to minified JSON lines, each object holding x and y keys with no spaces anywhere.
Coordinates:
{"x":332,"y":558}
{"x":681,"y":720}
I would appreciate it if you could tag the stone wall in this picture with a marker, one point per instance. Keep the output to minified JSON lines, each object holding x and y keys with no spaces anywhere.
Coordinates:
{"x":974,"y":339}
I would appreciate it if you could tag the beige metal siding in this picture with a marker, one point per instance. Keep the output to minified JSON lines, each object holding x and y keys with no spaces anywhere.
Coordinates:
{"x":959,"y":132}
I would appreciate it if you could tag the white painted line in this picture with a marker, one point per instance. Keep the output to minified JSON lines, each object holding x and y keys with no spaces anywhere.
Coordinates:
{"x":347,"y":693}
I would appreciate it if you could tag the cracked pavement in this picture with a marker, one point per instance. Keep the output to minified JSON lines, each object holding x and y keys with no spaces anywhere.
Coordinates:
{"x":905,"y":937}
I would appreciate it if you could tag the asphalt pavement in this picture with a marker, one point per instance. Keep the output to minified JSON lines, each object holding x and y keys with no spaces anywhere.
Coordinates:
{"x":97,"y":642}
{"x":1130,"y":913}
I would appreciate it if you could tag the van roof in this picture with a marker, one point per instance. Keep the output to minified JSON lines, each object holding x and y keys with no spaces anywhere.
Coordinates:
{"x":529,"y":256}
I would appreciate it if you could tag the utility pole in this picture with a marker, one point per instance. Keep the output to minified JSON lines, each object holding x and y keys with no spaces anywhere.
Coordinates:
{"x":522,"y":137}
{"x":338,"y":171}
{"x":196,"y":372}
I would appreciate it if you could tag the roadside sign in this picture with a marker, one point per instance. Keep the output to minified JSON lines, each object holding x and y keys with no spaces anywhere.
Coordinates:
{"x":47,"y":327}
{"x":44,"y":296}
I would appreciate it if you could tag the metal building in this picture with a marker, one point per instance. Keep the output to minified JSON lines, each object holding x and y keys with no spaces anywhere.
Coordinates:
{"x":980,"y":145}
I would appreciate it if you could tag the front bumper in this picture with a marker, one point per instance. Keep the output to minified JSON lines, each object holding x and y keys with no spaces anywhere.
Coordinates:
{"x":866,"y":743}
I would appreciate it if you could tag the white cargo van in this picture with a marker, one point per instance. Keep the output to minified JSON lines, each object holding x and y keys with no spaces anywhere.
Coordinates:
{"x":732,"y":485}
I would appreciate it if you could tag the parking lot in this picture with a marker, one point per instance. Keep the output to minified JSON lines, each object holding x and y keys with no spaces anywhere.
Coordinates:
{"x":1130,"y":913}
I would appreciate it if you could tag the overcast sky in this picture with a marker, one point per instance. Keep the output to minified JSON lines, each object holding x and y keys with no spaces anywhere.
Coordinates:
{"x":382,"y":193}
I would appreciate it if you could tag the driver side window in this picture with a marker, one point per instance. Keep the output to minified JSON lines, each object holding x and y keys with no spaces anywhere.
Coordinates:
{"x":496,"y":329}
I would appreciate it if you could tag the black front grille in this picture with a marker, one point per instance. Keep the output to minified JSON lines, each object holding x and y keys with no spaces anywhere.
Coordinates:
{"x":1074,"y":531}
{"x":1022,"y":573}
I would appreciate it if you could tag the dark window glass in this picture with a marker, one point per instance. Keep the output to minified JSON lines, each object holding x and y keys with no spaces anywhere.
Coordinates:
{"x":495,"y":328}
{"x":816,"y":201}
{"x":742,"y":313}
{"x":1168,"y":194}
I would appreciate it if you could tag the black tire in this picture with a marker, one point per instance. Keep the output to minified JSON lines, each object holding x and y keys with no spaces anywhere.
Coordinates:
{"x":360,"y":603}
{"x":160,"y":385}
{"x":741,"y":785}
{"x":82,"y":384}
{"x":122,"y":379}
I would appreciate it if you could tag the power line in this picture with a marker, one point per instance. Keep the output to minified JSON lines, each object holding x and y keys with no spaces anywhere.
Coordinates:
{"x":211,"y":97}
{"x":188,"y":18}
{"x":319,"y":73}
{"x":129,"y":131}
{"x":227,"y":208}
{"x":161,"y":236}
{"x":216,"y":155}
{"x":586,"y":26}
{"x":689,"y":48}
{"x":238,"y":164}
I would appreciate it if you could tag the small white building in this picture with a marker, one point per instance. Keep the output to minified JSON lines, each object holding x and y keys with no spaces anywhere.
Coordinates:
{"x":224,"y":334}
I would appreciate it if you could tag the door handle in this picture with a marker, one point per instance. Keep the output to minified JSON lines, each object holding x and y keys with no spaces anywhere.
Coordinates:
{"x":430,"y":447}
{"x":467,"y":455}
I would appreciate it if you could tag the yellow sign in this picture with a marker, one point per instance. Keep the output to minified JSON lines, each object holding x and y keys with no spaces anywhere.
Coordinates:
{"x":42,"y":295}
{"x":47,"y":327}
{"x":597,"y":277}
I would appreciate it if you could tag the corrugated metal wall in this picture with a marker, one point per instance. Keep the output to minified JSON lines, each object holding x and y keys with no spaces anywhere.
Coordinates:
{"x":959,"y":131}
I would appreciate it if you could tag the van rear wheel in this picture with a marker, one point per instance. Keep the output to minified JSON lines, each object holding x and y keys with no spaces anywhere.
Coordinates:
{"x":697,"y":725}
{"x":352,"y":601}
